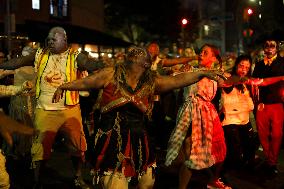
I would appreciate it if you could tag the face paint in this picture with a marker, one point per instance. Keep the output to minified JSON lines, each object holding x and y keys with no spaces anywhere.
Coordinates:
{"x":57,"y":40}
{"x":243,"y":68}
{"x":270,"y":48}
{"x":206,"y":57}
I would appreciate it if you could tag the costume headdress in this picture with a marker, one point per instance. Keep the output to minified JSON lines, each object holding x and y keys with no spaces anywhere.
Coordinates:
{"x":135,"y":52}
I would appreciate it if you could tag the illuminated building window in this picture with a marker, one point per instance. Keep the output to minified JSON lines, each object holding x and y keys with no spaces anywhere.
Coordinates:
{"x":206,"y":29}
{"x":59,"y":8}
{"x":36,"y":4}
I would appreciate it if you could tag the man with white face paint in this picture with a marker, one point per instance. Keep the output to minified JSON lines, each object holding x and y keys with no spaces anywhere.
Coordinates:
{"x":269,"y":116}
{"x":55,"y":65}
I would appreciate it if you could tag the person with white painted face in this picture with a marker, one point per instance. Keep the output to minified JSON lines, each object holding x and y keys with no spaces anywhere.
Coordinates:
{"x":270,"y":111}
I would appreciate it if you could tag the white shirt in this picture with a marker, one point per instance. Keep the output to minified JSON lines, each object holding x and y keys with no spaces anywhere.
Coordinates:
{"x":237,"y":107}
{"x":53,"y":76}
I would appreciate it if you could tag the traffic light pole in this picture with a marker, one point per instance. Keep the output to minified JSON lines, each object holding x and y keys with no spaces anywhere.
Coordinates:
{"x":8,"y":26}
{"x":184,"y":23}
{"x":183,"y":38}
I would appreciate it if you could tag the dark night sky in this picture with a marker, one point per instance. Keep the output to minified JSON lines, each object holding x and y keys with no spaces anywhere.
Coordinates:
{"x":155,"y":16}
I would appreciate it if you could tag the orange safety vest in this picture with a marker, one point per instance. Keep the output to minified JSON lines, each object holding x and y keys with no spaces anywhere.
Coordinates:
{"x":71,"y":97}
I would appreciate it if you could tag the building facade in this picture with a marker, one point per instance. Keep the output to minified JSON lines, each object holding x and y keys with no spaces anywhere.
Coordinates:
{"x":233,"y":25}
{"x":30,"y":20}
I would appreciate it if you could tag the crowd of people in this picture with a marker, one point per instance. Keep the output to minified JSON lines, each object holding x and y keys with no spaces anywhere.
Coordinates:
{"x":220,"y":112}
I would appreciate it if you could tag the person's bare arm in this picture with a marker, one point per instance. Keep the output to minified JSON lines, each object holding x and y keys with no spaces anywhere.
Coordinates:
{"x":265,"y":81}
{"x":9,"y":126}
{"x":232,"y":80}
{"x":95,"y":81}
{"x":167,"y":83}
{"x":174,"y":61}
{"x":85,"y":63}
{"x":4,"y":73}
{"x":15,"y":63}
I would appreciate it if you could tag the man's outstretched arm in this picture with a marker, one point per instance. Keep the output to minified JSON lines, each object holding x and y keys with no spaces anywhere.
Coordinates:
{"x":15,"y":63}
{"x":174,"y":61}
{"x":9,"y":126}
{"x":85,"y":63}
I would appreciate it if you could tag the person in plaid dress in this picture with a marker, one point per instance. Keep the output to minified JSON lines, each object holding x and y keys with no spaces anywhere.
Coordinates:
{"x":198,"y":135}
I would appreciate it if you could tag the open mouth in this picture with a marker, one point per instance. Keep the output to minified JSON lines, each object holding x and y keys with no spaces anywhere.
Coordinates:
{"x":51,"y":47}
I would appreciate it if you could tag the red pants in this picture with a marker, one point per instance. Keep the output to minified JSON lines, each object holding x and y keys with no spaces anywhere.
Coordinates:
{"x":269,"y":122}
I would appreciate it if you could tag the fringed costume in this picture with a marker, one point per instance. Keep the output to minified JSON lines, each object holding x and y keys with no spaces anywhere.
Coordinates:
{"x":121,"y":142}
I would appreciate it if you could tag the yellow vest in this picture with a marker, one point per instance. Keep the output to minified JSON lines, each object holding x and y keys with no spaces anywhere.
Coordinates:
{"x":71,"y":97}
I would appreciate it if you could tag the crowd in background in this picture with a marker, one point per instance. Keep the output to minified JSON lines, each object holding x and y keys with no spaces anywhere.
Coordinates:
{"x":238,"y":106}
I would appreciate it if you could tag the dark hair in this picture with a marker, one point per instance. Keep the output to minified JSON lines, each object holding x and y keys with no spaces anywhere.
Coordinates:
{"x":271,"y":39}
{"x":239,"y":59}
{"x":215,"y":51}
{"x":240,"y":87}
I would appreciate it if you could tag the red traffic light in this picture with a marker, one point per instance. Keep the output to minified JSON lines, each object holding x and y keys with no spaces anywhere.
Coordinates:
{"x":250,"y":11}
{"x":184,"y":21}
{"x":248,"y":32}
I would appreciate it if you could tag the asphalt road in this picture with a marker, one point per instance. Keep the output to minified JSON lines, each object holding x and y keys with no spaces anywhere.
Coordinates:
{"x":59,"y":174}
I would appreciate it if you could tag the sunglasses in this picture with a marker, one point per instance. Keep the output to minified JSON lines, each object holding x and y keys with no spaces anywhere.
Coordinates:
{"x":266,"y":46}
